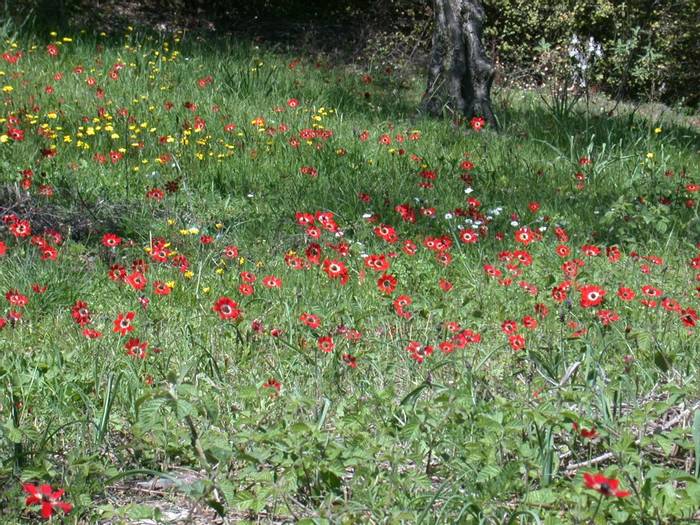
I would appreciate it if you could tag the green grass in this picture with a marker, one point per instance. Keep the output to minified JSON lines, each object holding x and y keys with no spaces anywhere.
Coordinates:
{"x":481,"y":434}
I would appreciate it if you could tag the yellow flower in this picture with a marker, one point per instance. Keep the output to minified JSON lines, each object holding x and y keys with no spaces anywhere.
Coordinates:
{"x":184,"y":232}
{"x":241,"y":261}
{"x":658,"y":130}
{"x":189,"y":274}
{"x":194,"y":231}
{"x":171,"y":222}
{"x":170,"y":284}
{"x":206,"y":289}
{"x":219,"y":271}
{"x":8,"y":89}
{"x":650,"y":155}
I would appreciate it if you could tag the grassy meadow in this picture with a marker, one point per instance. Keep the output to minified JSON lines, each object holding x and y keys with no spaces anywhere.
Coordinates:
{"x":261,"y":281}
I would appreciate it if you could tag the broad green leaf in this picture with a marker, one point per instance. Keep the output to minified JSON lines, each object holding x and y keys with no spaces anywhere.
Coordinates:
{"x":488,"y":472}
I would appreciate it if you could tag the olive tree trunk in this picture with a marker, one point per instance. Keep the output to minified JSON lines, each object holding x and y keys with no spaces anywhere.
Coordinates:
{"x":459,"y":72}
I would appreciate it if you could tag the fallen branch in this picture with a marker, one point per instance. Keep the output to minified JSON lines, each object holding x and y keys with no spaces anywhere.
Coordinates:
{"x":657,"y":428}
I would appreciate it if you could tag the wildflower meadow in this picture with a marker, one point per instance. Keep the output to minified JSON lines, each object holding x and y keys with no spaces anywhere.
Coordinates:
{"x":241,"y":285}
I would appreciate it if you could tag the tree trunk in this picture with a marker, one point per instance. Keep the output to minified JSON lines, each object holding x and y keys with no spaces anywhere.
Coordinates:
{"x":459,"y":73}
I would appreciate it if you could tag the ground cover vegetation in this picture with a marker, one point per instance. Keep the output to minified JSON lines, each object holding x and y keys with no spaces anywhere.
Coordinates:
{"x":260,"y":269}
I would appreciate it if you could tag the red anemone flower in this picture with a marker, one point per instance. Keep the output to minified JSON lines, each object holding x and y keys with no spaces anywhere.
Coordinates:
{"x":469,"y":236}
{"x":111,"y":240}
{"x":122,"y":324}
{"x":246,"y":289}
{"x":517,"y":342}
{"x":49,"y":499}
{"x":226,"y":308}
{"x":626,"y":294}
{"x":81,"y":313}
{"x":387,"y":283}
{"x":310,"y":320}
{"x":477,"y":123}
{"x":161,"y":288}
{"x":336,"y":270}
{"x":326,"y":344}
{"x":271,"y":281}
{"x":606,"y":486}
{"x":591,"y":295}
{"x":136,"y":280}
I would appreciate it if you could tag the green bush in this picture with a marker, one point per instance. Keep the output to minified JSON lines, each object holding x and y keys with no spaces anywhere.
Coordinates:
{"x":649,"y":47}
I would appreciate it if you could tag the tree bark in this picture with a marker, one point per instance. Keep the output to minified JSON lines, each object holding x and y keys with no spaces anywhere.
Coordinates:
{"x":460,"y":73}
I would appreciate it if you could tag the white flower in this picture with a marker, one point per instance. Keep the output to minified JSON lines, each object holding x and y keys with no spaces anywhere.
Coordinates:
{"x":448,"y":216}
{"x":468,"y":190}
{"x":366,"y":215}
{"x":514,"y":224}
